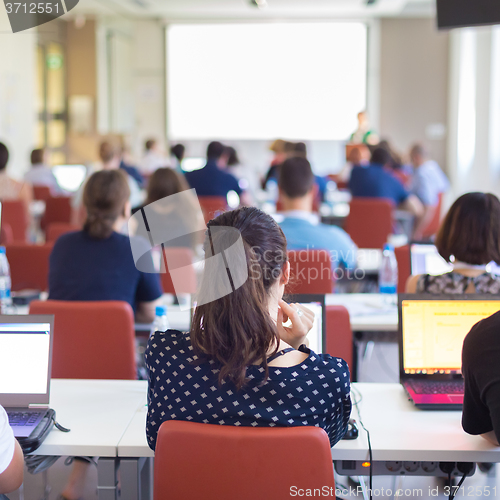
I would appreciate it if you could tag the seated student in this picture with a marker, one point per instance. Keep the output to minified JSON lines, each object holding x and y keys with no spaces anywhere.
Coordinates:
{"x":129,"y":168}
{"x":11,"y":458}
{"x":212,"y":180}
{"x":427,"y":184}
{"x":469,"y":237}
{"x":97,"y":263}
{"x":177,"y":153}
{"x":11,"y":189}
{"x":239,"y":364}
{"x":481,"y":372}
{"x":41,"y":174}
{"x":374,"y":181}
{"x":302,"y":229}
{"x":153,"y":157}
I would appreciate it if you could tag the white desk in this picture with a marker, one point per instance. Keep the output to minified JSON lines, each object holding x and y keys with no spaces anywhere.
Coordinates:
{"x":369,"y":312}
{"x":98,"y":413}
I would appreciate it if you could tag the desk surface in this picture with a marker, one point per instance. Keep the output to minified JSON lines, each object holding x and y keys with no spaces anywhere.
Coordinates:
{"x":98,"y":413}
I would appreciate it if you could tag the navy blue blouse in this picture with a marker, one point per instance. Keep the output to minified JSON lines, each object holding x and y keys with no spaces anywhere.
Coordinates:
{"x":316,"y":392}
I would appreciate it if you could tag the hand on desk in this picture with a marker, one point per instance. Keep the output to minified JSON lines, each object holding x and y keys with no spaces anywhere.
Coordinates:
{"x":301,"y":319}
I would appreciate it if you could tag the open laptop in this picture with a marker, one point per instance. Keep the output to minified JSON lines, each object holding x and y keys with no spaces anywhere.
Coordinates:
{"x":432,"y":329}
{"x":25,"y":366}
{"x":316,"y":303}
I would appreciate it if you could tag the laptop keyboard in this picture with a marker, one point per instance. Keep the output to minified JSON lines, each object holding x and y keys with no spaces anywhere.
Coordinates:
{"x":22,"y":418}
{"x":437,"y":387}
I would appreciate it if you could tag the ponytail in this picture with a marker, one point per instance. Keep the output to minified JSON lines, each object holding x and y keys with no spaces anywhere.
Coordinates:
{"x":237,"y":330}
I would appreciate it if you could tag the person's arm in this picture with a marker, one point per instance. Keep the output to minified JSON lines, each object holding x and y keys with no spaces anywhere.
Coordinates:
{"x":145,"y":311}
{"x":413,"y":205}
{"x":423,"y":221}
{"x":491,"y":438}
{"x":12,"y":477}
{"x":411,"y":284}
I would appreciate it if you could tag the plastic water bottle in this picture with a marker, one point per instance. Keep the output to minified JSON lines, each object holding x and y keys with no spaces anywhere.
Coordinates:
{"x":5,"y":283}
{"x":161,"y":321}
{"x":388,"y":275}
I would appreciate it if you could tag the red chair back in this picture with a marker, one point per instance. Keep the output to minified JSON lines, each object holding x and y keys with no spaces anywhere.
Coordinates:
{"x":179,"y":265}
{"x":57,"y":209}
{"x":41,"y":193}
{"x":404,"y":266}
{"x":435,"y":222}
{"x":370,"y":222}
{"x":339,"y":341}
{"x":92,"y":340}
{"x":57,"y":229}
{"x":310,"y":272}
{"x":15,"y":215}
{"x":223,"y":462}
{"x":29,"y":266}
{"x":210,"y":205}
{"x":6,"y":234}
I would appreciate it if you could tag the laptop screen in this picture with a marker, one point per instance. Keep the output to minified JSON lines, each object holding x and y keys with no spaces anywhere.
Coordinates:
{"x":25,"y":354}
{"x":425,"y":259}
{"x":433,"y":332}
{"x":315,"y":303}
{"x":70,"y":177}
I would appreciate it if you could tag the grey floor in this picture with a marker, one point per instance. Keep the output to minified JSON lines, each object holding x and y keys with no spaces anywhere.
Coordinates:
{"x":377,"y":363}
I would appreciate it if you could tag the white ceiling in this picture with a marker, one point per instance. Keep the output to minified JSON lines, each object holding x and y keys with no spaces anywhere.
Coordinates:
{"x":242,"y":9}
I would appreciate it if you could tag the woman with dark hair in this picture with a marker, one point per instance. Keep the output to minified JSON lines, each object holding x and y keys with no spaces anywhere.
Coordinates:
{"x":97,"y":263}
{"x":241,"y":364}
{"x":469,"y":238}
{"x":165,"y":182}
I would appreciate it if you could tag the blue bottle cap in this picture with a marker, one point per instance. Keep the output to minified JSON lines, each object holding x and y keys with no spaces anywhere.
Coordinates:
{"x":388,"y":246}
{"x":2,"y":249}
{"x":161,"y":311}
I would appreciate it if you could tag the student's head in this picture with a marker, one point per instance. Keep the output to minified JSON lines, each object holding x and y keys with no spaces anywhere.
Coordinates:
{"x":417,"y":155}
{"x":470,"y":231}
{"x":150,"y":145}
{"x":38,"y":156}
{"x":381,"y":156}
{"x":178,"y":151}
{"x":232,"y":157}
{"x":105,"y":198}
{"x":215,"y":150}
{"x":4,"y":156}
{"x":301,"y":149}
{"x":296,"y":184}
{"x":165,"y":182}
{"x":109,"y":154}
{"x":237,"y":330}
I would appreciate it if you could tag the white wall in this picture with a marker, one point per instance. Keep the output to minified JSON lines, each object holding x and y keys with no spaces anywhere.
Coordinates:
{"x":17,"y":94}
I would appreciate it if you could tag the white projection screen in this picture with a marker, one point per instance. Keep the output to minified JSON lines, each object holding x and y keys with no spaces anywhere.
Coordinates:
{"x":298,"y":81}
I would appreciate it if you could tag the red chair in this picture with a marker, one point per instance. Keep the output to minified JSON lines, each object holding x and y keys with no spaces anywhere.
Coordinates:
{"x":310,"y":272}
{"x":180,"y":259}
{"x":14,"y":214}
{"x":404,"y":266}
{"x":433,"y":226}
{"x":41,"y":193}
{"x":57,"y":209}
{"x":29,"y":266}
{"x":370,"y":222}
{"x":6,"y":235}
{"x":210,"y":205}
{"x":57,"y":229}
{"x":196,"y":461}
{"x":339,"y":341}
{"x":92,"y":340}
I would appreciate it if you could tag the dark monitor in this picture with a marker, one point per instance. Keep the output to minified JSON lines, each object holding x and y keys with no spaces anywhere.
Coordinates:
{"x":461,"y":13}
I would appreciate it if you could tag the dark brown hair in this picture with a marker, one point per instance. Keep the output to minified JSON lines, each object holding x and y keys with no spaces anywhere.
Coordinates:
{"x":165,"y":182}
{"x":296,"y":177}
{"x":237,"y":330}
{"x":4,"y":156}
{"x":471,"y":230}
{"x":105,"y":195}
{"x":150,"y":144}
{"x":107,"y":151}
{"x":37,"y":156}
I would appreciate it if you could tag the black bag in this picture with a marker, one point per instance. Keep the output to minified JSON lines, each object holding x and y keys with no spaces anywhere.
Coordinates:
{"x":41,"y":431}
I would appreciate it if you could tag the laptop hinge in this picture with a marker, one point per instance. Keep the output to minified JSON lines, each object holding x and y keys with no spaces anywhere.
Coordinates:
{"x":38,"y":407}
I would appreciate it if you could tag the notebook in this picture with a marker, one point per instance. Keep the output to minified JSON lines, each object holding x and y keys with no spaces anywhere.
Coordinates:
{"x":316,"y":303}
{"x":25,"y":365}
{"x":432,"y":329}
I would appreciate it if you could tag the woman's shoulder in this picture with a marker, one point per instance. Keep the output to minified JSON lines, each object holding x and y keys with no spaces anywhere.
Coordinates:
{"x":170,"y":340}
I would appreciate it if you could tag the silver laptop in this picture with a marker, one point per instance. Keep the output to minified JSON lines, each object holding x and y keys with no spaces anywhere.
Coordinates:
{"x":25,"y":366}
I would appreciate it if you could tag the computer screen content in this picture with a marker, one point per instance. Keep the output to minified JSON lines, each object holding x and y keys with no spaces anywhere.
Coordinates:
{"x":24,"y":358}
{"x":434,"y":332}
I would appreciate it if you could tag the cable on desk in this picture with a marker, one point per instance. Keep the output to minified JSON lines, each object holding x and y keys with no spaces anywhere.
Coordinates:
{"x":370,"y":454}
